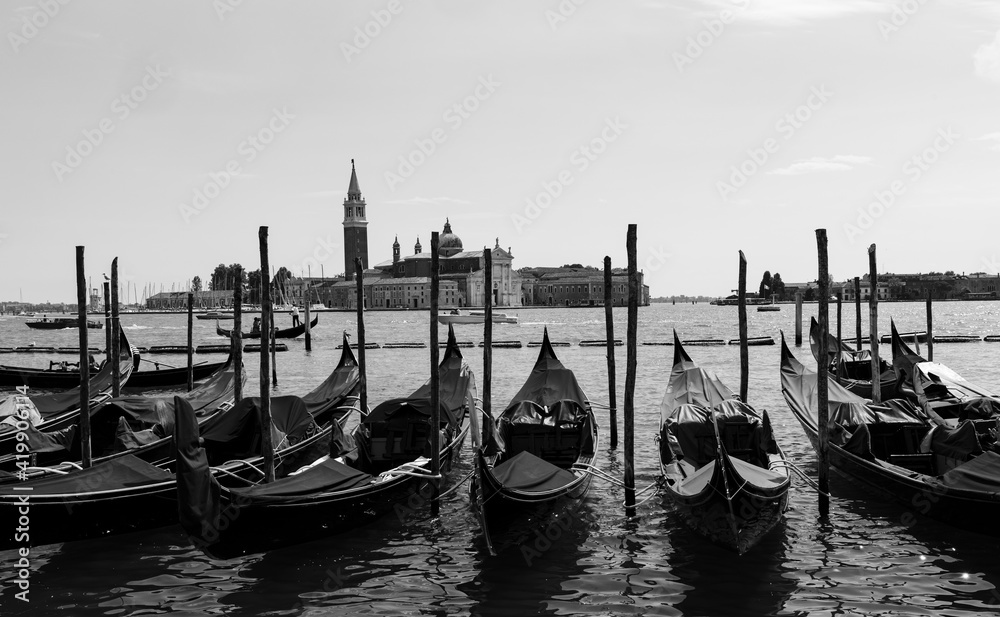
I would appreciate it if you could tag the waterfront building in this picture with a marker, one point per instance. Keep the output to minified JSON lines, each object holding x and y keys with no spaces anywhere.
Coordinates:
{"x":576,"y":286}
{"x":355,"y":227}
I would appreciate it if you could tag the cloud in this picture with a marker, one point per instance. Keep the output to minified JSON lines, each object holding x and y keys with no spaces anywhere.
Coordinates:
{"x":839,"y":162}
{"x":987,"y":60}
{"x":429,"y":201}
{"x":994,"y":137}
{"x":793,"y":12}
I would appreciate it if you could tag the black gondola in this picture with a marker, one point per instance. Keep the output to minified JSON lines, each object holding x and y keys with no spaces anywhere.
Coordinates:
{"x":895,"y":449}
{"x":852,"y":368}
{"x":61,"y":323}
{"x":545,"y":443}
{"x":387,"y":466}
{"x":292,"y":332}
{"x":62,"y":375}
{"x":126,"y":493}
{"x":722,"y":469}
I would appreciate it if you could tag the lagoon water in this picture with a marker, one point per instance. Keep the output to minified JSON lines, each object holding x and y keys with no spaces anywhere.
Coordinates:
{"x":863,"y":560}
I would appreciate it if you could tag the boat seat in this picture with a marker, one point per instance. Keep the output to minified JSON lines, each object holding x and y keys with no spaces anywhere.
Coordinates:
{"x":920,"y":463}
{"x":556,"y":444}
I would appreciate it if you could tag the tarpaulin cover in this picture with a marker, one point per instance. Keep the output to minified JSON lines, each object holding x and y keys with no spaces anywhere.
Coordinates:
{"x":956,"y":443}
{"x":18,"y":408}
{"x":526,"y":472}
{"x":387,"y":410}
{"x":326,"y":477}
{"x":980,"y":474}
{"x":54,"y":404}
{"x":120,"y":473}
{"x":845,"y":407}
{"x":198,"y":500}
{"x":690,"y":385}
{"x":237,"y":433}
{"x":549,"y":381}
{"x":859,"y":443}
{"x":341,"y":383}
{"x":456,"y":383}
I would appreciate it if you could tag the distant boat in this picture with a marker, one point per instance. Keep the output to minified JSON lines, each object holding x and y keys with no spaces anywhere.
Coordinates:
{"x":216,"y":315}
{"x":58,"y":323}
{"x":458,"y":317}
{"x":768,"y":308}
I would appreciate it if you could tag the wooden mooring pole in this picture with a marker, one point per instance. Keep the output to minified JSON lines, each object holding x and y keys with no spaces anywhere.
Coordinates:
{"x":81,"y":300}
{"x":857,"y":312}
{"x":609,"y":325}
{"x":630,"y":366}
{"x":744,"y":344}
{"x":116,"y":376}
{"x":873,"y":325}
{"x":930,"y":327}
{"x":359,"y":276}
{"x":309,"y":343}
{"x":190,"y":345}
{"x":822,"y":394}
{"x":487,"y":343}
{"x":798,"y":318}
{"x":107,"y":322}
{"x":267,"y":445}
{"x":237,"y":338}
{"x":436,"y":377}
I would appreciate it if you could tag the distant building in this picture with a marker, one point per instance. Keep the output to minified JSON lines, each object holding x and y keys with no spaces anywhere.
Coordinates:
{"x":172,"y":300}
{"x":355,"y":227}
{"x":571,"y":286}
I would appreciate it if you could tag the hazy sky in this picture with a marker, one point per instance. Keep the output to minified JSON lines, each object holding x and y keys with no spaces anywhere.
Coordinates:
{"x":714,"y":125}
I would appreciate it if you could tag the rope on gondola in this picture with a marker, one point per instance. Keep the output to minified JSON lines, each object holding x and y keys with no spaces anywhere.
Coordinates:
{"x":809,"y":481}
{"x":603,"y":475}
{"x":457,"y":486}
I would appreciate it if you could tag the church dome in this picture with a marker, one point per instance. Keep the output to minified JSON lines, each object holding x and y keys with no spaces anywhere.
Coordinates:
{"x":449,"y":243}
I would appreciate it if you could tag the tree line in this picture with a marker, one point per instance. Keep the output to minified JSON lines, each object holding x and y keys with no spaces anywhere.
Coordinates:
{"x":226,"y":278}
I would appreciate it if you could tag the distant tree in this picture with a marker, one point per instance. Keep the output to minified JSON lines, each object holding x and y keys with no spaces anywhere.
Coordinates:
{"x":572,"y":265}
{"x":280,"y":283}
{"x":218,"y":278}
{"x":253,"y":286}
{"x":196,"y":283}
{"x":778,"y":286}
{"x":764,"y":290}
{"x":810,"y":294}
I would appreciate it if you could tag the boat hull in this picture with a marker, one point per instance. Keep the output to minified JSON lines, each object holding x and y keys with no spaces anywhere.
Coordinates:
{"x":292,"y":332}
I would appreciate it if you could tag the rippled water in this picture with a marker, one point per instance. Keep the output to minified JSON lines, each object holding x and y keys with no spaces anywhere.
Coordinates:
{"x":862,"y":561}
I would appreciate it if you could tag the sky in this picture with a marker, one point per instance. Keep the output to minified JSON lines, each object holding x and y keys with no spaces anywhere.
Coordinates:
{"x":167,"y":132}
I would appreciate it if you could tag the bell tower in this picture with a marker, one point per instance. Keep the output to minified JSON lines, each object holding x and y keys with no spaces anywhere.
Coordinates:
{"x":355,"y":227}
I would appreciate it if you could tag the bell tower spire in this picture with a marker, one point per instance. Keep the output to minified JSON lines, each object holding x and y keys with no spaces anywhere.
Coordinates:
{"x":355,"y":227}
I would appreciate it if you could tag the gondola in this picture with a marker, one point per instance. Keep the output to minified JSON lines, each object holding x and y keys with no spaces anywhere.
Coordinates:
{"x":292,"y":332}
{"x":952,"y":475}
{"x":125,"y":493}
{"x":722,"y":469}
{"x":944,"y":395}
{"x":852,"y":368}
{"x":62,"y":376}
{"x":48,"y":412}
{"x":138,"y":425}
{"x":61,"y":323}
{"x":385,"y":469}
{"x":546,"y":441}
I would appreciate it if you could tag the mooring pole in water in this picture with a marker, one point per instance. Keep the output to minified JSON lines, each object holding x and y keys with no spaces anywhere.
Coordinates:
{"x":309,"y":343}
{"x":436,"y":377}
{"x":359,"y":275}
{"x":744,"y":345}
{"x":798,"y":318}
{"x":237,"y":337}
{"x":190,"y":345}
{"x":633,"y":320}
{"x":930,"y":326}
{"x":873,"y":325}
{"x":267,"y":445}
{"x":487,"y":341}
{"x":822,"y":394}
{"x":274,"y":350}
{"x":107,"y":322}
{"x":609,"y":326}
{"x":857,"y":311}
{"x":840,"y":341}
{"x":81,"y":306}
{"x":116,"y":376}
